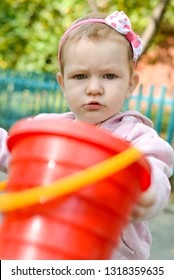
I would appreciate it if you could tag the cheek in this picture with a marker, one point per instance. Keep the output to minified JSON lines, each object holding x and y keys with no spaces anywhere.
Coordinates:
{"x":73,"y":89}
{"x":71,"y":97}
{"x":117,"y":99}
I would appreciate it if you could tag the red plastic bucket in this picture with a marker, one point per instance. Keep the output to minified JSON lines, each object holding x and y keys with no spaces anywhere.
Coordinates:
{"x":83,"y":225}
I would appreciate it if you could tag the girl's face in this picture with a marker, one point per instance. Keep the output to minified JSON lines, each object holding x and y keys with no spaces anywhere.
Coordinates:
{"x":96,"y":79}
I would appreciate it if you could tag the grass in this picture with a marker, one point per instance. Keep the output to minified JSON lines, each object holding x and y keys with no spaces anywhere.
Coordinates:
{"x":172,"y":184}
{"x":172,"y":197}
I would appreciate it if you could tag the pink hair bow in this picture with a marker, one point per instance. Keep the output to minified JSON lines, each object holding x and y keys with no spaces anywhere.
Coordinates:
{"x":121,"y":23}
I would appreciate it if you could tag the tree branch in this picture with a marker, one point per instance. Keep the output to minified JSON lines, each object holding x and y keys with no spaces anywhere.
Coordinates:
{"x":92,"y":5}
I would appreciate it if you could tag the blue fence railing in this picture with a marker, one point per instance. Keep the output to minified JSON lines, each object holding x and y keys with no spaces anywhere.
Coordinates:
{"x":27,"y":94}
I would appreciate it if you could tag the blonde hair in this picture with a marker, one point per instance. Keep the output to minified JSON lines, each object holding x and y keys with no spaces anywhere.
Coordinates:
{"x":96,"y":32}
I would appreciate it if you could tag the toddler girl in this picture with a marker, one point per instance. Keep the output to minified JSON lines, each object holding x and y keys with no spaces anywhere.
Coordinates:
{"x":97,"y":57}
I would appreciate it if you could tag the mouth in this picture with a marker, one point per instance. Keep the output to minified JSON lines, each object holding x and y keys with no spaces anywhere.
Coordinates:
{"x":93,"y":105}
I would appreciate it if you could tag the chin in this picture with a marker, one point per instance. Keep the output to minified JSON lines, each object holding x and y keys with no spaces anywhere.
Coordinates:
{"x":90,"y":121}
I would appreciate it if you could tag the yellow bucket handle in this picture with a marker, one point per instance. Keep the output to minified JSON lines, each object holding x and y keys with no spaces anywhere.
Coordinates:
{"x":41,"y":194}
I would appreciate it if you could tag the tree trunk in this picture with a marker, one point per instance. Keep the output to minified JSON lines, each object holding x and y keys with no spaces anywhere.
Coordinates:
{"x":154,"y":23}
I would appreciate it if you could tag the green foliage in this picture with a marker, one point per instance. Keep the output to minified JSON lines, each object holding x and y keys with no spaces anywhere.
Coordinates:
{"x":30,"y":30}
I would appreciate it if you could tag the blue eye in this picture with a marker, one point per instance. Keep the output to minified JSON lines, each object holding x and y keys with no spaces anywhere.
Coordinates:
{"x":109,"y":76}
{"x":80,"y":76}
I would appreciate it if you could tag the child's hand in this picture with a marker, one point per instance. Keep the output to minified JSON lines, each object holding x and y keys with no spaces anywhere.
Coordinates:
{"x":140,"y":210}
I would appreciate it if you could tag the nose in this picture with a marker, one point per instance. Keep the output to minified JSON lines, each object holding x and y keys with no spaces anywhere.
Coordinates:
{"x":94,"y":87}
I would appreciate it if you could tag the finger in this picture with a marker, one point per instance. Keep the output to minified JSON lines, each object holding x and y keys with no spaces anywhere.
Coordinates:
{"x":147,"y":199}
{"x":138,"y":213}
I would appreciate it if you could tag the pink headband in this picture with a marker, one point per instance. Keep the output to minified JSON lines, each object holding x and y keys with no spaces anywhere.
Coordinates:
{"x":118,"y":21}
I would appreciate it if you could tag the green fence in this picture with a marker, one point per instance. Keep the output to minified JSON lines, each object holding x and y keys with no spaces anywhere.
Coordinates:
{"x":28,"y":94}
{"x":159,"y":109}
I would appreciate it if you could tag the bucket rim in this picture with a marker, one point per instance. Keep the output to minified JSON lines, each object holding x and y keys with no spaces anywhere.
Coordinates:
{"x":65,"y":127}
{"x":85,"y":132}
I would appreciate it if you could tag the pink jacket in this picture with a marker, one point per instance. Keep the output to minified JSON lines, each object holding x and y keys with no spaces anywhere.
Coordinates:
{"x":135,"y":241}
